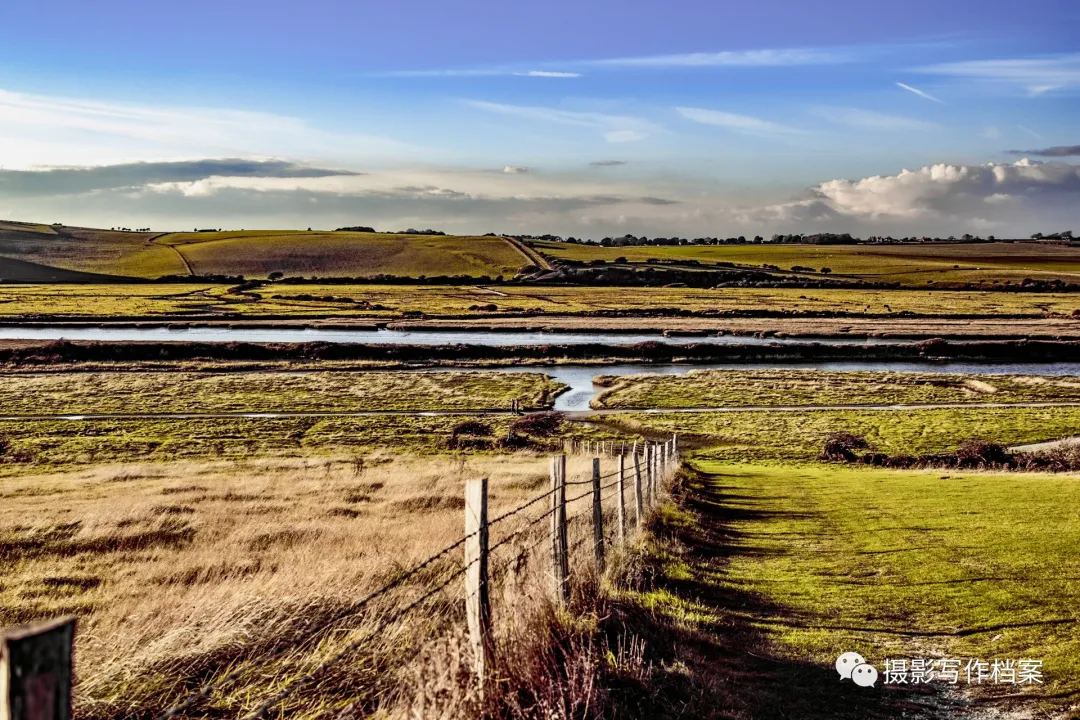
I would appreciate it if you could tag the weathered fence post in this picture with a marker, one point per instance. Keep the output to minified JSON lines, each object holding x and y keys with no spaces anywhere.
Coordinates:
{"x":597,"y":516}
{"x":35,"y":671}
{"x":622,"y":496}
{"x":559,"y":547}
{"x":638,"y":500}
{"x":477,"y":595}
{"x":650,"y":472}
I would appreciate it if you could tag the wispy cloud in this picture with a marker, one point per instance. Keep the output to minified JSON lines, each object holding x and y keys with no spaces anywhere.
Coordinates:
{"x":475,"y":73}
{"x":919,"y":92}
{"x":549,"y":74}
{"x":1051,"y":152}
{"x":739,"y":58}
{"x":40,"y":130}
{"x":1036,"y":75}
{"x":607,"y":163}
{"x":744,"y":124}
{"x":517,"y":170}
{"x":1030,"y":132}
{"x":614,"y":128}
{"x":869,"y":119}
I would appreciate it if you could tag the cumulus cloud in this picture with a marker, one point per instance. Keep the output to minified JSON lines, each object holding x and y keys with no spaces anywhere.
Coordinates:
{"x":744,"y":124}
{"x":66,"y":181}
{"x":1050,"y":152}
{"x":516,"y":169}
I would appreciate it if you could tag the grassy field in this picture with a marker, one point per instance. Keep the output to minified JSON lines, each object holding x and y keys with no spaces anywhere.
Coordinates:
{"x":181,"y":573}
{"x":344,"y":254}
{"x":155,"y":392}
{"x":125,"y":254}
{"x":799,"y":436}
{"x":776,"y":571}
{"x":253,"y":253}
{"x":906,"y":264}
{"x":742,"y":388}
{"x":388,"y":300}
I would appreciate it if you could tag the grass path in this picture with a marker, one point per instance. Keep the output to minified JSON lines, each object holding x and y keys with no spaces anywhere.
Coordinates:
{"x":770,"y":573}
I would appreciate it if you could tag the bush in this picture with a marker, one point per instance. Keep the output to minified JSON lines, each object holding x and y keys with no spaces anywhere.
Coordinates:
{"x":472,"y":427}
{"x":982,"y":452}
{"x":538,"y":424}
{"x":842,"y":446}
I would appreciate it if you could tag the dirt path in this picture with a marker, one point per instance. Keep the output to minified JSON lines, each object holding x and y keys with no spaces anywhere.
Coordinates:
{"x":531,"y":255}
{"x":1048,"y":445}
{"x":150,"y":240}
{"x":500,"y":411}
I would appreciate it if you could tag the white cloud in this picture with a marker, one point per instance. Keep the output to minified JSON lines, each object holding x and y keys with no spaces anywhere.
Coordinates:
{"x":1031,"y":132}
{"x":516,"y":170}
{"x":873,"y":120}
{"x":919,"y":92}
{"x":991,"y":133}
{"x":740,"y":58}
{"x":946,"y":190}
{"x":550,"y":74}
{"x":744,"y":124}
{"x":1036,"y":75}
{"x":614,"y":128}
{"x":38,"y":130}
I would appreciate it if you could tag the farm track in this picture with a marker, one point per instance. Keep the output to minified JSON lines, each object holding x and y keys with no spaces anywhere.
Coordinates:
{"x":577,"y":414}
{"x":150,"y":241}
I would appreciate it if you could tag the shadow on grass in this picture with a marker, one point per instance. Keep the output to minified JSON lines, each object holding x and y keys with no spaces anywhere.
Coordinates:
{"x":709,"y":659}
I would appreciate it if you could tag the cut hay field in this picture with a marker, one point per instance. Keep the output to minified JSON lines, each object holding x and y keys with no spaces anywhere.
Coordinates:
{"x":747,"y":388}
{"x":309,"y":300}
{"x":180,"y":392}
{"x":911,"y":265}
{"x":86,"y":250}
{"x":344,"y":254}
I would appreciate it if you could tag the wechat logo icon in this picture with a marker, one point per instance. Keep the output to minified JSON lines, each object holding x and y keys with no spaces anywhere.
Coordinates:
{"x":853,"y":666}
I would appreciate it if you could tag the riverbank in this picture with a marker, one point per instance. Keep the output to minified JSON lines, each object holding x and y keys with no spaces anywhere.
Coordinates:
{"x":21,"y":354}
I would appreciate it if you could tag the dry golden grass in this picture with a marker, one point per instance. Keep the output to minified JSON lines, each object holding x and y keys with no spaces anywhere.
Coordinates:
{"x":182,"y":573}
{"x":126,"y":254}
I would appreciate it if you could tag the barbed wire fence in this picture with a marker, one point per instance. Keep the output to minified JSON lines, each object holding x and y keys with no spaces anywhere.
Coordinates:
{"x":604,"y":510}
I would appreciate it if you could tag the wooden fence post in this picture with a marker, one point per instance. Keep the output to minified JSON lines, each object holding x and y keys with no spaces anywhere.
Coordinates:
{"x":638,"y":500}
{"x":597,"y":516}
{"x":621,"y":487}
{"x":477,"y":594}
{"x":559,"y":546}
{"x":650,"y":472}
{"x":35,"y":671}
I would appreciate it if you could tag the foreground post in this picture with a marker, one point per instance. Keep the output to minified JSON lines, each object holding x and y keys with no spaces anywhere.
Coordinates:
{"x":559,"y":546}
{"x":622,"y":497}
{"x":597,"y":516}
{"x":477,"y":595}
{"x":35,"y":671}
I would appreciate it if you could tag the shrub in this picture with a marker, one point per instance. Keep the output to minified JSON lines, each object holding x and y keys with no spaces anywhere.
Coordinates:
{"x":538,"y":424}
{"x":842,"y":446}
{"x":982,"y":452}
{"x":472,"y":427}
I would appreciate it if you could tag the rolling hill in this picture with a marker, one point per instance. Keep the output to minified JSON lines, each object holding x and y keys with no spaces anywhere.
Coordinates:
{"x":42,"y":253}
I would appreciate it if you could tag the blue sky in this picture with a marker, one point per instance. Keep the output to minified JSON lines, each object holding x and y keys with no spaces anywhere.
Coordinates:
{"x":585,"y":118}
